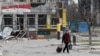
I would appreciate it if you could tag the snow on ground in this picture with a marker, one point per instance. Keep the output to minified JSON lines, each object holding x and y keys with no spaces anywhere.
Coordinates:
{"x":38,"y":48}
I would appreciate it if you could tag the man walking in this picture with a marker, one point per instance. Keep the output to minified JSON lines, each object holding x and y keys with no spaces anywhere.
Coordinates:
{"x":66,"y":40}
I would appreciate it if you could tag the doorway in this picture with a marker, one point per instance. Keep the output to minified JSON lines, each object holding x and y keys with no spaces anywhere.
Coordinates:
{"x":20,"y":21}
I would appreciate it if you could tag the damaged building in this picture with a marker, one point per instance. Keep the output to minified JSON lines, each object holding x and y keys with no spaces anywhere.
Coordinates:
{"x":34,"y":17}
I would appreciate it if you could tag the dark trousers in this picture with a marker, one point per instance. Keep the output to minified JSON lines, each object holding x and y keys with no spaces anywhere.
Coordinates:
{"x":66,"y":47}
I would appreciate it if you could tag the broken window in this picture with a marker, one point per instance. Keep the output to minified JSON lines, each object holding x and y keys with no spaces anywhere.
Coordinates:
{"x":31,"y":18}
{"x":42,"y":19}
{"x":8,"y":19}
{"x":54,"y":21}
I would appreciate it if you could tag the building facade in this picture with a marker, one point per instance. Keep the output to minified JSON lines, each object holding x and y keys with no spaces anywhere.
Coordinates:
{"x":36,"y":17}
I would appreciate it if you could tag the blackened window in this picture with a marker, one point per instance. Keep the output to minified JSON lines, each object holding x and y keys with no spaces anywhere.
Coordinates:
{"x":31,"y":18}
{"x":8,"y":19}
{"x":54,"y":21}
{"x":42,"y":19}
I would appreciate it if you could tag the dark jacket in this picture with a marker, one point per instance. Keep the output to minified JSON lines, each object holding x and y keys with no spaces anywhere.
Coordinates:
{"x":66,"y":38}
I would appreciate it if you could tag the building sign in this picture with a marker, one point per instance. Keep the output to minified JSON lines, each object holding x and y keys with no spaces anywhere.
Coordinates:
{"x":17,"y":8}
{"x":43,"y":32}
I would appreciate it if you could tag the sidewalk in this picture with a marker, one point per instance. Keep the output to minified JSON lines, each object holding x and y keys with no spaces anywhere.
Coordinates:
{"x":43,"y":48}
{"x":87,"y":48}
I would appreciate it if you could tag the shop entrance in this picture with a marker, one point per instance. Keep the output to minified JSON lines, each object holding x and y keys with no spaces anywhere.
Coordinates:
{"x":20,"y":21}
